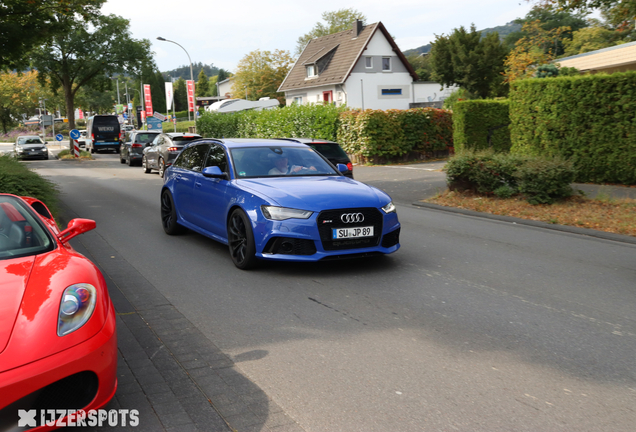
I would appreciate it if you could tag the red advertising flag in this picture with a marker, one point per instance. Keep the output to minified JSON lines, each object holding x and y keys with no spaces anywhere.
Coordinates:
{"x":191,"y":103}
{"x":148,"y":100}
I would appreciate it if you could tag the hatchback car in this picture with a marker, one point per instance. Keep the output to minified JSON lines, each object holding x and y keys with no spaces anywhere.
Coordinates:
{"x":329,"y":149}
{"x":58,"y":339}
{"x":275,"y":200}
{"x":131,"y":151}
{"x":164,"y":150}
{"x":30,"y":147}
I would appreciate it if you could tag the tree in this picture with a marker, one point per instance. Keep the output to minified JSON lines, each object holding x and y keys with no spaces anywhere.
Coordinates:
{"x":472,"y":62}
{"x":550,"y":19}
{"x":260,"y":73}
{"x":76,"y":57}
{"x":422,"y":65}
{"x":336,"y":21}
{"x":620,"y":12}
{"x":203,"y":84}
{"x":19,"y":94}
{"x":591,"y":39}
{"x":531,"y":51}
{"x":180,"y":95}
{"x":26,"y":24}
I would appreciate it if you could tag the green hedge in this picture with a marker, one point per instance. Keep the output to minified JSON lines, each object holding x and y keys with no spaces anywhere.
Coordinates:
{"x":17,"y":179}
{"x":305,"y":121}
{"x":394,"y":133}
{"x":481,"y":124}
{"x":540,"y":180}
{"x":589,"y":119}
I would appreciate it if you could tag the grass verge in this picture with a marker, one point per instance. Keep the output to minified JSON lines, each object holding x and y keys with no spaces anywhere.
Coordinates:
{"x":66,"y":154}
{"x":602,"y":214}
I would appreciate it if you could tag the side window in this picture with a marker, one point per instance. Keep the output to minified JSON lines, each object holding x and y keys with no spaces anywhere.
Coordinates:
{"x":217,"y":157}
{"x":159,"y":141}
{"x":198,"y":156}
{"x":183,"y":160}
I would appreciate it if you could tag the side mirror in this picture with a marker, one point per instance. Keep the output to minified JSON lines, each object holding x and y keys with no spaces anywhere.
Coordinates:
{"x":342,"y":168}
{"x":76,"y":227}
{"x":214,"y":172}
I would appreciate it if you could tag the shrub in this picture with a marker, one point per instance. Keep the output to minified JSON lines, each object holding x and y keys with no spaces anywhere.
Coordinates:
{"x":394,"y":133}
{"x":481,"y":124}
{"x":17,"y":179}
{"x":539,"y":180}
{"x":587,"y":119}
{"x":305,"y":121}
{"x":543,"y":180}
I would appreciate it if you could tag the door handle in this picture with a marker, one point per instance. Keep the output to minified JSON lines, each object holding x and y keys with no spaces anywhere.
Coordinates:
{"x":197,"y":184}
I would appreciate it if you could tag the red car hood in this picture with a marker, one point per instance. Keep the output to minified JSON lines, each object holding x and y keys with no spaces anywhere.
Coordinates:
{"x":14,"y":276}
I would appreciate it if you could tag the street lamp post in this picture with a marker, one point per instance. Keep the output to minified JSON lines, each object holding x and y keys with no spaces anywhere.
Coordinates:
{"x":191,"y":75}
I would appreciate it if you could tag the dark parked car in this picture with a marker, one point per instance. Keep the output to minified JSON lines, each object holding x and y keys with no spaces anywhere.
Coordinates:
{"x":164,"y":150}
{"x":30,"y":147}
{"x":329,"y":149}
{"x":132,"y":151}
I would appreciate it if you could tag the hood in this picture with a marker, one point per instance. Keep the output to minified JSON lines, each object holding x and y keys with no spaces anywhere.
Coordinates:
{"x":31,"y":146}
{"x":317,"y":193}
{"x":14,"y":276}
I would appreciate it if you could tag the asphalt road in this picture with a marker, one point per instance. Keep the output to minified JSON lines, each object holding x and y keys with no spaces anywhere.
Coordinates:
{"x":473,"y":325}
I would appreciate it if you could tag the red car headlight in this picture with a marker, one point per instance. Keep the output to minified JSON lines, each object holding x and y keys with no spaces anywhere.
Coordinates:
{"x":76,"y":307}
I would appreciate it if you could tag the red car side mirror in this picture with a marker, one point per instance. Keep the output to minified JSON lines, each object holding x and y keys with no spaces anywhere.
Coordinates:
{"x":76,"y":227}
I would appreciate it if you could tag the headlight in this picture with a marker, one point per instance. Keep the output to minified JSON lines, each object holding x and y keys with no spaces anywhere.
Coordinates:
{"x":282,"y":213}
{"x":389,"y":208}
{"x":18,"y":148}
{"x":76,"y":307}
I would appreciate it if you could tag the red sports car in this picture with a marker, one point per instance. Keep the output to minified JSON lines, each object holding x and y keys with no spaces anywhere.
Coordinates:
{"x":58,"y":340}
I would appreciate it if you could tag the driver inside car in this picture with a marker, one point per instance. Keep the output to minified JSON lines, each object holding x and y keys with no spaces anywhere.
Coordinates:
{"x":281,"y":167}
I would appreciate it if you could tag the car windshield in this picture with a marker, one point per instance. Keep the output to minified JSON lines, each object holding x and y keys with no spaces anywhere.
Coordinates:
{"x":21,"y":231}
{"x":30,"y":140}
{"x":278,"y":162}
{"x":144,"y":138}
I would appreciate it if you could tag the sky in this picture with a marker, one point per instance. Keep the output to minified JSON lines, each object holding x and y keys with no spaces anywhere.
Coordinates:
{"x":222,"y":33}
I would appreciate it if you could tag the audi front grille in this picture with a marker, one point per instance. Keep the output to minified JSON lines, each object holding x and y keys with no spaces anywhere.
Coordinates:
{"x":329,"y":219}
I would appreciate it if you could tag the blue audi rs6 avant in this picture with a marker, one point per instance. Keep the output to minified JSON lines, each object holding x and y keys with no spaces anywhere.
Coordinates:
{"x":275,"y":200}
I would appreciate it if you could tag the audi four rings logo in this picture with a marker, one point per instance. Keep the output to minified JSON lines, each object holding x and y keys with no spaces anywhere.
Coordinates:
{"x":352,"y":217}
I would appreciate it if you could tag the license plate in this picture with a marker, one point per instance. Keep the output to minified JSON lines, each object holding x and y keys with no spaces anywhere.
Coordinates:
{"x":33,"y":153}
{"x":342,"y":233}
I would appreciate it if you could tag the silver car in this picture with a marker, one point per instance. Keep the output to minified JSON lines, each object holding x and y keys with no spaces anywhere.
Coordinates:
{"x":160,"y":154}
{"x":30,"y":147}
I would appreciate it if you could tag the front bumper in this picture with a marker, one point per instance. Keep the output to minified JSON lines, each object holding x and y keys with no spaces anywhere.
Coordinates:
{"x":36,"y":154}
{"x":37,"y":385}
{"x":305,"y":242}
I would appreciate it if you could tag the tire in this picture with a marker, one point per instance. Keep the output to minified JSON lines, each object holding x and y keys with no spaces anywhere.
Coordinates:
{"x":144,"y":164}
{"x":162,"y":168}
{"x":92,"y":150}
{"x":169,"y":215}
{"x":241,"y":240}
{"x":123,"y":161}
{"x":117,"y":150}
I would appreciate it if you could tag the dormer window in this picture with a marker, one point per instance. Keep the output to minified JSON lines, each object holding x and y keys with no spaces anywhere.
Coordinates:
{"x":311,"y":71}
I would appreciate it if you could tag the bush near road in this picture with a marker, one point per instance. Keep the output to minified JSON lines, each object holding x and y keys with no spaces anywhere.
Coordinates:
{"x":17,"y":179}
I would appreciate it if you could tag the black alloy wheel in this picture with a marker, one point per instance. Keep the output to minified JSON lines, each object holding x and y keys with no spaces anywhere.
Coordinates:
{"x":241,"y":240}
{"x":144,"y":164}
{"x":162,"y":168}
{"x":169,"y":215}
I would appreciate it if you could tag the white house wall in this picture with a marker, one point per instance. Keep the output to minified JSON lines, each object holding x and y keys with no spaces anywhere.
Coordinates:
{"x":314,"y":95}
{"x":364,"y":90}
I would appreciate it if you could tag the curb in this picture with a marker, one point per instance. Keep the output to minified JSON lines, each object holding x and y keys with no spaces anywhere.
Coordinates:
{"x":537,"y":224}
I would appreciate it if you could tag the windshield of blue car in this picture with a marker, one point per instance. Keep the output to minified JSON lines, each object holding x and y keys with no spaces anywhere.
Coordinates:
{"x":279,"y":162}
{"x":21,"y":231}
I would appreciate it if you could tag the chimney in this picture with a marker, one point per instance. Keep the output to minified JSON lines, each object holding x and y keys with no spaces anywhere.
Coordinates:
{"x":357,"y":28}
